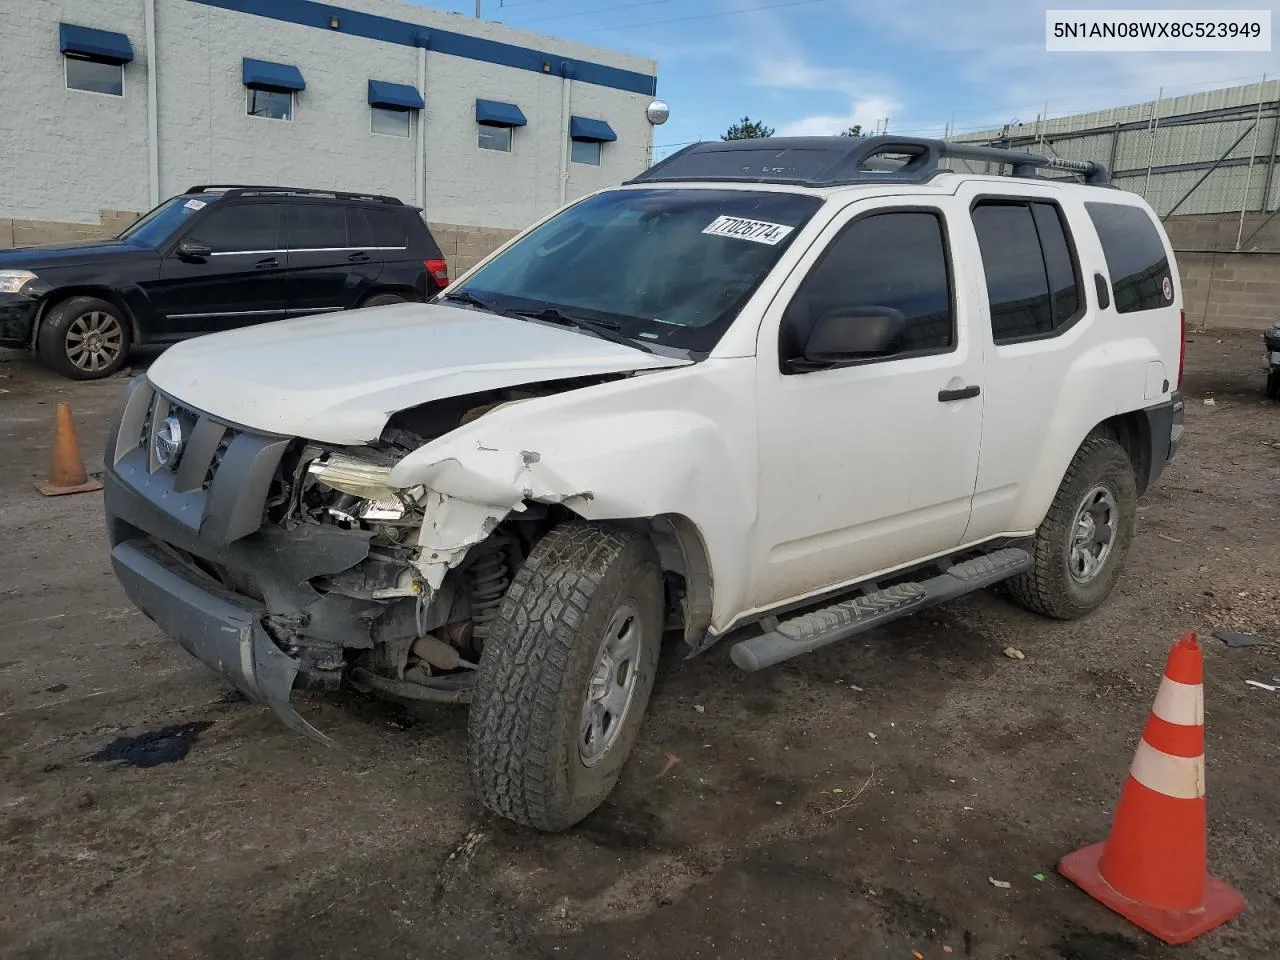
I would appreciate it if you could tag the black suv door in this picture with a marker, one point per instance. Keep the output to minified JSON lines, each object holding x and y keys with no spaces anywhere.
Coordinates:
{"x":241,"y":279}
{"x":333,"y":259}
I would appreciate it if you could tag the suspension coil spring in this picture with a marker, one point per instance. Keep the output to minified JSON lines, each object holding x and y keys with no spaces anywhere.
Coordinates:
{"x":488,"y":577}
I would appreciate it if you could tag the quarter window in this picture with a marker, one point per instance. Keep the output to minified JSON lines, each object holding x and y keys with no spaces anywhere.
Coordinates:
{"x":1135,"y":254}
{"x":390,"y":123}
{"x":1032,"y":280}
{"x":897,"y":260}
{"x":240,"y":228}
{"x":94,"y":76}
{"x":585,"y":151}
{"x":271,"y":104}
{"x":388,"y":228}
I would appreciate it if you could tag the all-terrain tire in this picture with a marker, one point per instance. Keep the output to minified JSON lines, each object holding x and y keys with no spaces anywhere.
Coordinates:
{"x":83,"y":338}
{"x":382,"y":299}
{"x":525,"y":725}
{"x":1048,"y":587}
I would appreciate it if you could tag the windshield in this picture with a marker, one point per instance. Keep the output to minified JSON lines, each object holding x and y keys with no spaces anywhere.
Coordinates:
{"x":664,"y":266}
{"x":160,"y":224}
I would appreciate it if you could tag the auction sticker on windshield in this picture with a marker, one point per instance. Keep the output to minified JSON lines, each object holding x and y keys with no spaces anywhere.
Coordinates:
{"x":757,"y":231}
{"x":194,"y":204}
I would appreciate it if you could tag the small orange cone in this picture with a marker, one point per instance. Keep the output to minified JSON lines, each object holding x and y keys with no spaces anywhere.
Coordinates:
{"x":1152,"y":868}
{"x":66,"y":472}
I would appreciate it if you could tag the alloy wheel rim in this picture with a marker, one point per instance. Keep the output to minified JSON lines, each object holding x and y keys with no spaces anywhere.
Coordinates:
{"x":95,"y":340}
{"x":1093,"y":534}
{"x":611,"y":687}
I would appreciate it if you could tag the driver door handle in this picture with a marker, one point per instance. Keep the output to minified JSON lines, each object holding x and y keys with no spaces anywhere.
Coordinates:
{"x":267,"y":262}
{"x":961,"y":393}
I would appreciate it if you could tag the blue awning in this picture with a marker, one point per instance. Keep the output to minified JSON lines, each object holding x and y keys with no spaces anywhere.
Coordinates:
{"x":394,"y":96}
{"x":595,"y":131}
{"x":495,"y":113}
{"x":101,"y":45}
{"x":265,"y":75}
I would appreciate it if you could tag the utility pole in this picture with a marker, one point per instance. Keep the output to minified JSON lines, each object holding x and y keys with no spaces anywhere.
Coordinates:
{"x":477,"y":9}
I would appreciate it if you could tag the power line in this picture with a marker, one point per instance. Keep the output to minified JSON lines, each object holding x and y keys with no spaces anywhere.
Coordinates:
{"x":703,"y":16}
{"x":585,"y":13}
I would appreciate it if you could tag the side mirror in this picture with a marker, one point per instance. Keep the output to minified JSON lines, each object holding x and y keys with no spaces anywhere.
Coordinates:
{"x":855,"y":333}
{"x":194,"y":250}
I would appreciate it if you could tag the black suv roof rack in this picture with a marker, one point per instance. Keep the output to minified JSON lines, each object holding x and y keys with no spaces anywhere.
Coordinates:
{"x":837,"y":161}
{"x":252,"y":190}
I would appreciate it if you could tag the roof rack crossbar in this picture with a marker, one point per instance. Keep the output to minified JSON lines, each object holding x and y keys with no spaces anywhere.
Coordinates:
{"x":245,"y":189}
{"x":836,"y":161}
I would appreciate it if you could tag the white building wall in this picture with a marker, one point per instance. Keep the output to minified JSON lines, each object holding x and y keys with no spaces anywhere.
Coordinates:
{"x":76,"y":154}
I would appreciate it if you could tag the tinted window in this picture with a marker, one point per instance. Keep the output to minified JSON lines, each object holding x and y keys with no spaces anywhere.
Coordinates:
{"x":95,"y":77}
{"x":388,"y":228}
{"x":585,"y":151}
{"x":272,"y":104}
{"x":391,"y":123}
{"x":1032,"y":280}
{"x":1135,"y":256}
{"x":896,"y":260}
{"x":496,"y":138}
{"x":317,"y":226}
{"x":359,"y":233}
{"x":240,"y":228}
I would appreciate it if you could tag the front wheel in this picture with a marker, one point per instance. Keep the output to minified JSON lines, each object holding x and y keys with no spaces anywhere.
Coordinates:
{"x":83,"y":338}
{"x":1081,"y":545}
{"x":565,"y":675}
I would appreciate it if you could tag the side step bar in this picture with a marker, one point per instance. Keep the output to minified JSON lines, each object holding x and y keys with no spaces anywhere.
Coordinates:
{"x":809,"y":632}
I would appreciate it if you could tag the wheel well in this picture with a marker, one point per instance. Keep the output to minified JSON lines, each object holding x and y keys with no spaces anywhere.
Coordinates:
{"x":1133,"y":432}
{"x":63,"y":294}
{"x":400,"y":290}
{"x":682,"y":554}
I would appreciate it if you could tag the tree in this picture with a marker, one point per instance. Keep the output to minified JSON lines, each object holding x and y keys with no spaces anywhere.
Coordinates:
{"x":854,"y":132}
{"x":747,"y":129}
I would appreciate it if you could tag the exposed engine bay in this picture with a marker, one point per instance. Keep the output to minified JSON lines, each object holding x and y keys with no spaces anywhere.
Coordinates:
{"x":407,"y":638}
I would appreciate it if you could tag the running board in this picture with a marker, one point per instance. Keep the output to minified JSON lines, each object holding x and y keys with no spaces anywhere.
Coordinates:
{"x":809,"y":632}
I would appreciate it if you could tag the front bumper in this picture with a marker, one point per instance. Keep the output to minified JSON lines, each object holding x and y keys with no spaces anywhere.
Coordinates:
{"x":17,"y":320}
{"x":191,"y":549}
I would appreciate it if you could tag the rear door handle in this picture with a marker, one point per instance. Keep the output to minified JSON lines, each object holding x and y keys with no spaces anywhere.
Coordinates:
{"x":267,"y":262}
{"x":358,"y":257}
{"x":962,"y":393}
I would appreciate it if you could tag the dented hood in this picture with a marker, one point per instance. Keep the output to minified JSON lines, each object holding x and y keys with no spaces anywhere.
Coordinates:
{"x":339,"y":377}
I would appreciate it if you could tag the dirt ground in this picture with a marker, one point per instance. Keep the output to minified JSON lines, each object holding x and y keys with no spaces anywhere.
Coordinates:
{"x":853,"y":804}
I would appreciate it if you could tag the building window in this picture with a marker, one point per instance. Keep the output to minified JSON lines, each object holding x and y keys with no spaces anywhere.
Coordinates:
{"x":390,"y":123}
{"x":93,"y":76}
{"x":585,"y":151}
{"x":495,"y":138}
{"x":271,"y":104}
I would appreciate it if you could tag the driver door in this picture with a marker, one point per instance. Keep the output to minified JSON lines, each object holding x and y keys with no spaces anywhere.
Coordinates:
{"x":870,"y":463}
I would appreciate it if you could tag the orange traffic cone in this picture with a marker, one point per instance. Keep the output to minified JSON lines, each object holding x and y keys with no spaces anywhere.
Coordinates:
{"x":1152,"y":868}
{"x":66,"y":472}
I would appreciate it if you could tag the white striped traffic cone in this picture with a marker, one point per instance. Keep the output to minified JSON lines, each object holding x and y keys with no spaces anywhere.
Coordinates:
{"x":1152,"y":868}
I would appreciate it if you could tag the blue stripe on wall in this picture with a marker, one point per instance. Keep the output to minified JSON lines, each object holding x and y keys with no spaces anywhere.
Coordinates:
{"x":307,"y":13}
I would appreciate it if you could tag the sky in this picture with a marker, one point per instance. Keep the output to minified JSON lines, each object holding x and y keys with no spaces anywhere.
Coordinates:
{"x":913,"y":66}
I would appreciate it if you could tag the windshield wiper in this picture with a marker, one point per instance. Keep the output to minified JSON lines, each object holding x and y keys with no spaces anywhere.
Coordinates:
{"x":604,"y":329}
{"x":467,"y":297}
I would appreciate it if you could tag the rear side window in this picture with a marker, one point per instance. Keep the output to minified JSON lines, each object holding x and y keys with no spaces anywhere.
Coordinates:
{"x":388,"y":228}
{"x":240,"y":228}
{"x":317,"y":226}
{"x":895,"y":259}
{"x":1139,"y":267}
{"x":1032,"y":279}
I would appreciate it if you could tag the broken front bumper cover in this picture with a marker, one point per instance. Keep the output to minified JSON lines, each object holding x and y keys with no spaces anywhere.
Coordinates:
{"x":222,"y":630}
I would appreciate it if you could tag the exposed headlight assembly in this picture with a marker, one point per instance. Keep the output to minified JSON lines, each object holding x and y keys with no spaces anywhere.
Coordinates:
{"x":360,"y":478}
{"x":12,"y":281}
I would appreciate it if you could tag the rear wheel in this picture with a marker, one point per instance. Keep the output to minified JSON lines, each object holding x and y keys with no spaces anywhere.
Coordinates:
{"x":565,"y":675}
{"x":1273,"y":385}
{"x":84,"y":338}
{"x":382,"y":299}
{"x":1081,"y":545}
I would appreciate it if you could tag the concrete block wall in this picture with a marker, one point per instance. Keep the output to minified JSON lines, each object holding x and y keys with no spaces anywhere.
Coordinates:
{"x":465,"y":246}
{"x":1235,"y":291}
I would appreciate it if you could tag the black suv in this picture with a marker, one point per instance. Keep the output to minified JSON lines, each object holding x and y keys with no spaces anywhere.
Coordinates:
{"x":214,"y":258}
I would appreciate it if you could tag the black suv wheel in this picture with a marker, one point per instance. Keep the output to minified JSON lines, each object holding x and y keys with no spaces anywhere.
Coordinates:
{"x":84,"y":338}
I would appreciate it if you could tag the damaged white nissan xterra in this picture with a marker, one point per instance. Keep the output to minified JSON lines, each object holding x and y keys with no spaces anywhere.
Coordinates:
{"x":791,"y":389}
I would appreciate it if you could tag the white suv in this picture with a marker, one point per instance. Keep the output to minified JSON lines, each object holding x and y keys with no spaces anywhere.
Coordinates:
{"x":784,"y":390}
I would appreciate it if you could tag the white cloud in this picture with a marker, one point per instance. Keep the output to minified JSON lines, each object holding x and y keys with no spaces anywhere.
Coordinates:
{"x":866,"y":112}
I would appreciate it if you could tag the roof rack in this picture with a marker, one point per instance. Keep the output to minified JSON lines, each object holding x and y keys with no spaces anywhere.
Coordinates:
{"x":254,"y":190}
{"x":837,"y":161}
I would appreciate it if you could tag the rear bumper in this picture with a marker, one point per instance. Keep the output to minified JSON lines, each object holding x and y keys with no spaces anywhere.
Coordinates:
{"x":1164,"y":421}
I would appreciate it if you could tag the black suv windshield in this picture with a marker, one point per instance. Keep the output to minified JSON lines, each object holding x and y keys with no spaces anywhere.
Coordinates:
{"x":667,"y":266}
{"x":161,"y":223}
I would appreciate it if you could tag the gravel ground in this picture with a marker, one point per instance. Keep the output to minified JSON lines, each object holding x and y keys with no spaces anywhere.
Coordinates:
{"x":855,"y":803}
